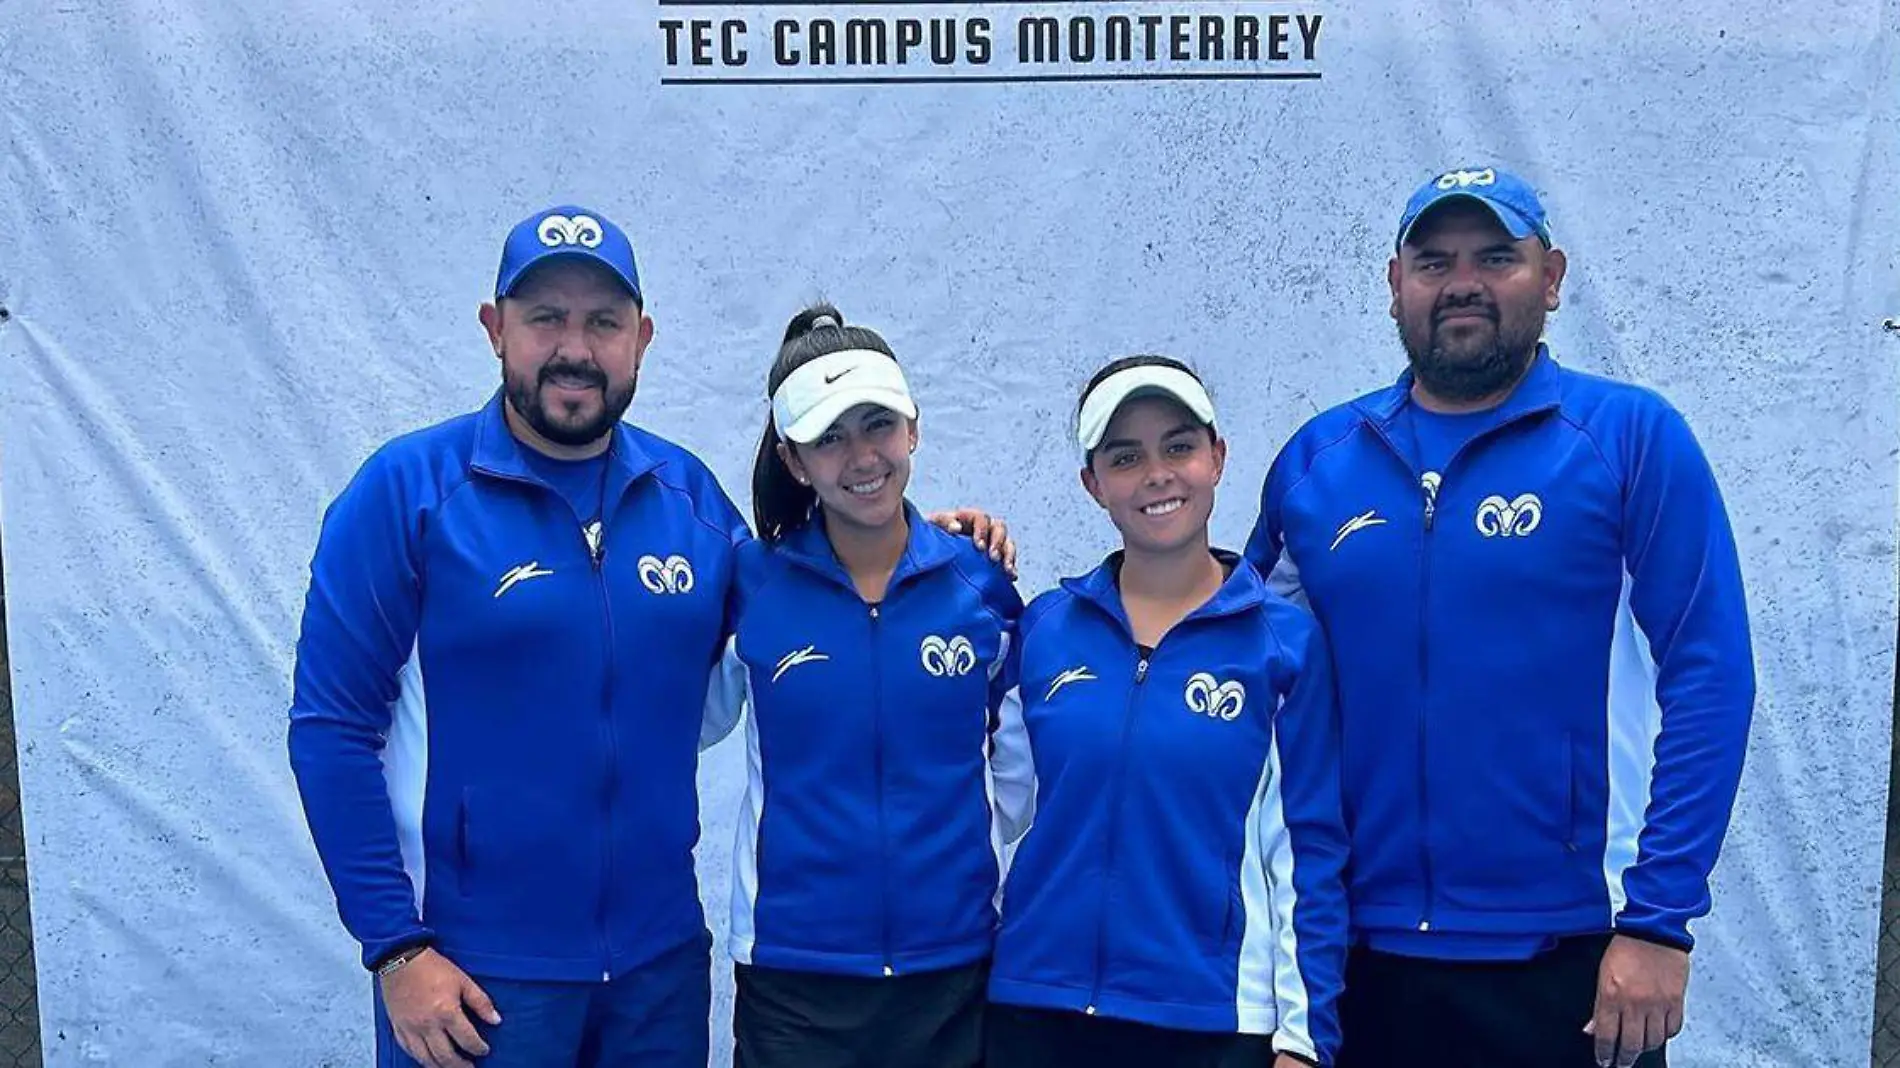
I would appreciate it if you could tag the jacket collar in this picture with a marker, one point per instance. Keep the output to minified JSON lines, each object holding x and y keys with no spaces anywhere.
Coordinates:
{"x":925,"y":549}
{"x":1242,"y":590}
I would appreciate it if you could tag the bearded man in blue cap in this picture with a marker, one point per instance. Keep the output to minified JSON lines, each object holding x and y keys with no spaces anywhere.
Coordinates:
{"x":512,"y":622}
{"x":1530,"y":585}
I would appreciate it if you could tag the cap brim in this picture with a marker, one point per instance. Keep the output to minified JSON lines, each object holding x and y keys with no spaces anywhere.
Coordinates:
{"x":1100,"y":406}
{"x":513,"y":281}
{"x":1510,"y":218}
{"x":806,"y":428}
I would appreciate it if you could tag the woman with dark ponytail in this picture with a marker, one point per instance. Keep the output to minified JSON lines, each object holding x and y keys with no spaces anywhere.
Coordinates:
{"x":875,"y":651}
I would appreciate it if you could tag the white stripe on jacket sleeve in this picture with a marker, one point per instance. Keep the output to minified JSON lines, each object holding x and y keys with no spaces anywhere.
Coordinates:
{"x":727,"y":692}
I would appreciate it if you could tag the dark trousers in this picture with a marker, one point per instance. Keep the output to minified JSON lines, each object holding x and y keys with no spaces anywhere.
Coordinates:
{"x":788,"y":1019}
{"x":1039,"y":1038}
{"x":652,"y":1017}
{"x":1409,"y":1012}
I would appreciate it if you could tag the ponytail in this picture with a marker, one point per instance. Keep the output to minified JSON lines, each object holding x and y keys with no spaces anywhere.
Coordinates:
{"x":781,"y":503}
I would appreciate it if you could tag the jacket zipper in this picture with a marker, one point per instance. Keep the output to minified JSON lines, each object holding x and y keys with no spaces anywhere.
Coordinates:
{"x":1114,"y":819}
{"x":597,"y":554}
{"x":1430,"y":494}
{"x":877,"y":771}
{"x":1424,"y":698}
{"x":596,"y":548}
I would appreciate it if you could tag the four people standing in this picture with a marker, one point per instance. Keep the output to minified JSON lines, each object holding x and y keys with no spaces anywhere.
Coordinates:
{"x":1473,"y":703}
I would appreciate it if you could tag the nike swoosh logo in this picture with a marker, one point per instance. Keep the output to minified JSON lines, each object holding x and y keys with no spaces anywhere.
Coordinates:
{"x":530,"y":570}
{"x":829,"y":379}
{"x":1356,"y":524}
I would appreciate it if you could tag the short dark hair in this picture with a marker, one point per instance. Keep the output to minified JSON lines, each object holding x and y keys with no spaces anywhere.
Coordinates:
{"x":780,"y":503}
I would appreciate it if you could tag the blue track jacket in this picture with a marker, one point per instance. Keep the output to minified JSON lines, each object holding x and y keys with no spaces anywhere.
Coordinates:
{"x":1184,"y":865}
{"x":497,"y":713}
{"x":866,"y":842}
{"x":1544,"y":666}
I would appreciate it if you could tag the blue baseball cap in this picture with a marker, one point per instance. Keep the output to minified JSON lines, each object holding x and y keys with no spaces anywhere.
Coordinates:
{"x":566,"y":230}
{"x":1509,"y":197}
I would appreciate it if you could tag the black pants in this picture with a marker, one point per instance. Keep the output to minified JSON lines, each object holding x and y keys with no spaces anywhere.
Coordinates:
{"x":1406,"y":1012}
{"x":1036,"y":1038}
{"x":784,"y":1019}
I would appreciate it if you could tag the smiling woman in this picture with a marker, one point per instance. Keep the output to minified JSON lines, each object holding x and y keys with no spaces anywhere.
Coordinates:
{"x":874,"y":650}
{"x":1171,"y":689}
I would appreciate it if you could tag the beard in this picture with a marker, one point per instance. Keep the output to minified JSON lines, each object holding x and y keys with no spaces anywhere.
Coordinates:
{"x":1475,"y":368}
{"x":559,"y":426}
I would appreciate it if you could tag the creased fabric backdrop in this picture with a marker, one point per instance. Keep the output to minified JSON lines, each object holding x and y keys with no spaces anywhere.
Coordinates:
{"x":241,"y":244}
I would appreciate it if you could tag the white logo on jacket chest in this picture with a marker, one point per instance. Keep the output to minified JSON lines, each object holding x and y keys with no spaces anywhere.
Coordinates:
{"x":947,"y":659}
{"x":1211,"y":697}
{"x":671,"y":575}
{"x":517,"y":575}
{"x":807,"y":655}
{"x":1369,"y":518}
{"x":1499,"y":518}
{"x":1074,"y":674}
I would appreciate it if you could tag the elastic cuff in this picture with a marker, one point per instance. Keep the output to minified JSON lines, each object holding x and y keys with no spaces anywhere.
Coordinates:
{"x":1296,"y":1055}
{"x":1655,"y":939}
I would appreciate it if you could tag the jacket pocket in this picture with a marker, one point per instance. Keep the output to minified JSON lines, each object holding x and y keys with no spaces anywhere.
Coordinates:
{"x":1571,"y":814}
{"x":461,"y":842}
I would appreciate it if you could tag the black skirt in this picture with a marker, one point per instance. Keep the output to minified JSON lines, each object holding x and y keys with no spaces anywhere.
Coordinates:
{"x":1040,"y":1038}
{"x":787,"y":1019}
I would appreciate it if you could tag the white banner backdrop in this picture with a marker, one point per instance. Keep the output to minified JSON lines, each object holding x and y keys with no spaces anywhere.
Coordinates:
{"x":240,"y":245}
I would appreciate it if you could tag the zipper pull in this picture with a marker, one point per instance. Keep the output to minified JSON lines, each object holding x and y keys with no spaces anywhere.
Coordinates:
{"x":1141,"y":670}
{"x":595,"y":535}
{"x":1431,"y":510}
{"x":874,"y":611}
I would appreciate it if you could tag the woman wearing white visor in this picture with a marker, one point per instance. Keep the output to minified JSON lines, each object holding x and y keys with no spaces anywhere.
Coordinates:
{"x":874,"y":650}
{"x":1178,"y":899}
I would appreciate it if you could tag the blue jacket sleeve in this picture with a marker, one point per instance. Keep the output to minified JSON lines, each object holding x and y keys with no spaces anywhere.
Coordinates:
{"x":359,"y":629}
{"x":1685,"y":592}
{"x":1305,"y":851}
{"x":1265,"y":543}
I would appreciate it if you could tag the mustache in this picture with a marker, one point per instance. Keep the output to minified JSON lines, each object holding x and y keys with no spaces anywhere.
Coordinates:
{"x":1478,"y":304}
{"x":585,"y":371}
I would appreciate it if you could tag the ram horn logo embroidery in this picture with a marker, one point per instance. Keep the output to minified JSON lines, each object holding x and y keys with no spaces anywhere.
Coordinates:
{"x":947,"y":658}
{"x":1466,"y":179}
{"x":1499,"y":518}
{"x":1209,"y":696}
{"x":671,"y":575}
{"x":558,"y":230}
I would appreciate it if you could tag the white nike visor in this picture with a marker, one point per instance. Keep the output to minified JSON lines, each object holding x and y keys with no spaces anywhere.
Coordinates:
{"x":814,"y":396}
{"x":1100,"y":406}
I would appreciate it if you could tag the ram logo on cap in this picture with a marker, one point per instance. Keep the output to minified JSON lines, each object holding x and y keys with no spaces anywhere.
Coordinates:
{"x":582,"y":230}
{"x":1465,"y":179}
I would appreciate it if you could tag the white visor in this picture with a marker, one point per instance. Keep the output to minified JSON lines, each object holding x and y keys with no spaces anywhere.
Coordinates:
{"x":1099,"y":407}
{"x":814,"y":396}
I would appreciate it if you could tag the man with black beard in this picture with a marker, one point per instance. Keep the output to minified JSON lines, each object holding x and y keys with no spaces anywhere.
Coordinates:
{"x":512,"y":622}
{"x":1530,"y":586}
